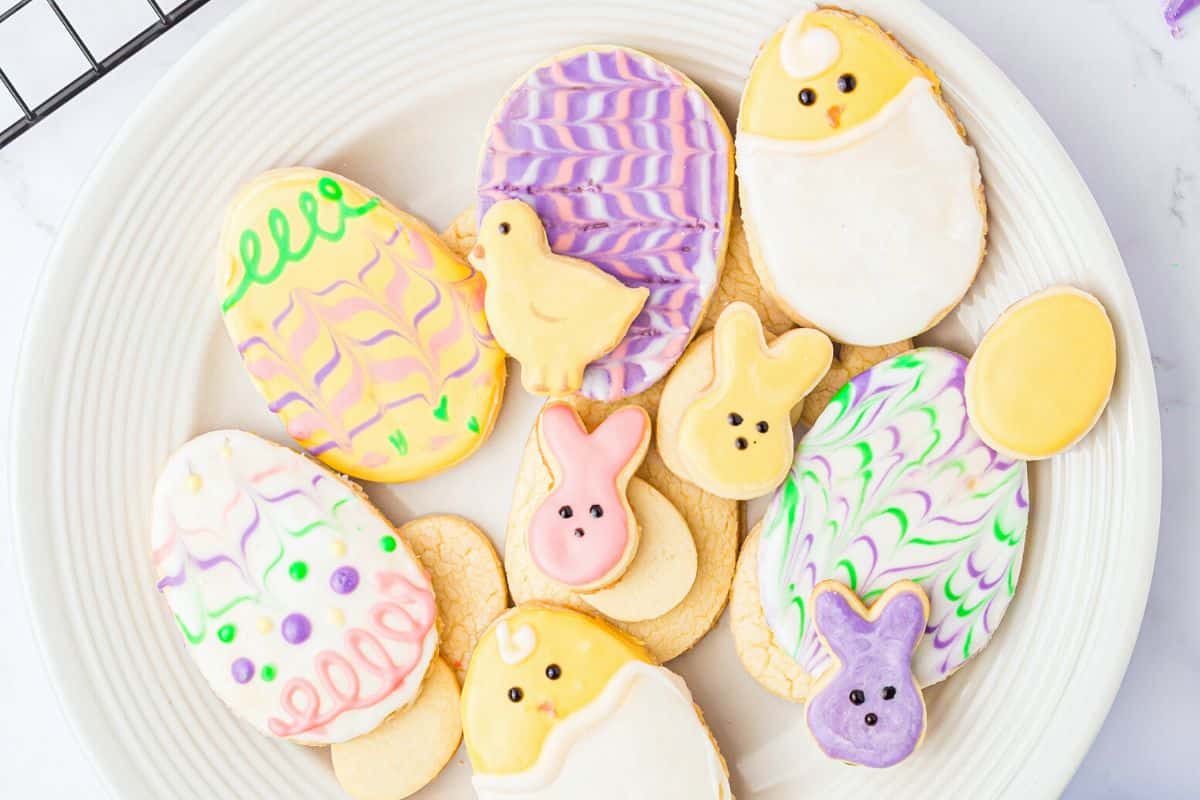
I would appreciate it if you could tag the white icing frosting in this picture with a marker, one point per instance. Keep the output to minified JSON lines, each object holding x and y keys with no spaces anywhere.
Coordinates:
{"x":806,"y":54}
{"x":872,"y":234}
{"x":641,"y":737}
{"x":276,"y":573}
{"x":515,"y":646}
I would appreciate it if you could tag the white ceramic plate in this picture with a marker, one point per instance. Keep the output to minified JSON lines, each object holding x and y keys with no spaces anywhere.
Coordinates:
{"x":126,"y":358}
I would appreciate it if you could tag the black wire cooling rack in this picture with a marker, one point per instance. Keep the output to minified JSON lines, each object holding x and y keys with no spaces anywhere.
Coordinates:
{"x":97,"y":69}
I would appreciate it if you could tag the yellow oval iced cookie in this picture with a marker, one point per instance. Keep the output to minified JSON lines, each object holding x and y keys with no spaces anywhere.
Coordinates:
{"x":363,"y":331}
{"x":558,"y":704}
{"x":862,"y":203}
{"x":1043,"y":373}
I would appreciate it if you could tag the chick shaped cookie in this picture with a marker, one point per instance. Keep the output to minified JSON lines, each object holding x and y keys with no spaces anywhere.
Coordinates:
{"x":725,"y":419}
{"x":559,"y":704}
{"x":630,"y":166}
{"x":862,"y":203}
{"x":554,"y":314}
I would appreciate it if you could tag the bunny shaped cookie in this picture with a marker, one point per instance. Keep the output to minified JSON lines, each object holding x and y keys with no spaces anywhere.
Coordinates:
{"x":868,"y":708}
{"x":584,"y":534}
{"x":731,"y":434}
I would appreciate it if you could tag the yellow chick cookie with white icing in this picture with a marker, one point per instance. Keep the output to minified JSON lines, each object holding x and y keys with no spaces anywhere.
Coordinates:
{"x":559,"y":704}
{"x":862,"y":203}
{"x":554,"y":314}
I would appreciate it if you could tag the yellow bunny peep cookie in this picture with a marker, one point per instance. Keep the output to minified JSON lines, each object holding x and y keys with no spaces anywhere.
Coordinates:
{"x":558,"y":704}
{"x":863,"y":205}
{"x":552,"y":313}
{"x":725,"y":423}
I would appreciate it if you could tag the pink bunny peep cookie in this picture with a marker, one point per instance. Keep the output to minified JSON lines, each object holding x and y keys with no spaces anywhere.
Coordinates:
{"x":584,"y":534}
{"x":868,"y":708}
{"x":303,"y":610}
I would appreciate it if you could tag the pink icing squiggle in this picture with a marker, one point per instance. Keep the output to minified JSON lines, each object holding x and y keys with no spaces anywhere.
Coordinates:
{"x":302,"y":701}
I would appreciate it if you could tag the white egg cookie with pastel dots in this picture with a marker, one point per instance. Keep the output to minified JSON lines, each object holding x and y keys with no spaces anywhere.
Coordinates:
{"x":303,"y":609}
{"x":862,"y":202}
{"x":559,"y":704}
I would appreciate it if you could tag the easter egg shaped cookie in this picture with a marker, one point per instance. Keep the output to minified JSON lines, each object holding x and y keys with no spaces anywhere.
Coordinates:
{"x":558,"y":704}
{"x":862,"y":203}
{"x":365,"y":334}
{"x":630,"y":167}
{"x":304,"y":610}
{"x":893,"y":483}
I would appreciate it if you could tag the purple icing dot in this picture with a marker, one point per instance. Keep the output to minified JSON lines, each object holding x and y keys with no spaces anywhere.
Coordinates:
{"x":243,"y":670}
{"x":296,"y":628}
{"x":344,"y":580}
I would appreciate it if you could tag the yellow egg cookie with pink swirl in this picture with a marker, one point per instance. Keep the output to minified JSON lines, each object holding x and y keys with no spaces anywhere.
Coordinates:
{"x":363,"y":331}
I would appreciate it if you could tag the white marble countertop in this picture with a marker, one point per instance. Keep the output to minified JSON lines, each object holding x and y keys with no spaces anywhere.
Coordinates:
{"x":1124,"y":98}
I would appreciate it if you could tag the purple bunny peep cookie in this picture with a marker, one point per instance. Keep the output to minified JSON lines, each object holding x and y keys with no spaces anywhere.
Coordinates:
{"x":868,"y":709}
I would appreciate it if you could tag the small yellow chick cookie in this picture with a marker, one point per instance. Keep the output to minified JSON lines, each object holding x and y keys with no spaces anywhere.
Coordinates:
{"x":552,"y":313}
{"x":1043,"y":374}
{"x":862,"y":203}
{"x":558,"y":704}
{"x":734,"y":437}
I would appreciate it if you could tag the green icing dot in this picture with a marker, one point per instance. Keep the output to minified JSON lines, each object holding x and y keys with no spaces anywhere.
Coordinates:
{"x":226,"y":632}
{"x":268,"y":672}
{"x":473,"y":425}
{"x":388,"y":543}
{"x":440,"y":412}
{"x":298,"y":570}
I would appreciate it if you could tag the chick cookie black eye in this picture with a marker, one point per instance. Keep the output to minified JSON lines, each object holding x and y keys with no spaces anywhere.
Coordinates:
{"x":807,"y":97}
{"x":889,"y":692}
{"x":762,"y":426}
{"x":847,"y":83}
{"x":515,"y":694}
{"x":565,"y":512}
{"x":857,"y":697}
{"x":596,"y":511}
{"x":504,"y":228}
{"x":554,"y":672}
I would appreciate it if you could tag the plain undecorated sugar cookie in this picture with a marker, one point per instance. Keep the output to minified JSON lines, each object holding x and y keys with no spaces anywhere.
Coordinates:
{"x":760,"y":654}
{"x":409,"y":749}
{"x":467,"y":577}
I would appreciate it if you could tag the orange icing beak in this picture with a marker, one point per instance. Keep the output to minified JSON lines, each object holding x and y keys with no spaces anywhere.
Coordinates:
{"x":834,"y":115}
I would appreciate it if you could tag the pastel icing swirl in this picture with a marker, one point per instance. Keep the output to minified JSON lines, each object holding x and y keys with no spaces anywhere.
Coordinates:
{"x":893,"y":483}
{"x":629,"y":166}
{"x":367,"y":337}
{"x":297,"y":602}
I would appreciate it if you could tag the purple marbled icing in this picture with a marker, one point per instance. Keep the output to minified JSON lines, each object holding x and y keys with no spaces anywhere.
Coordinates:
{"x":627,"y":164}
{"x":870,"y":711}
